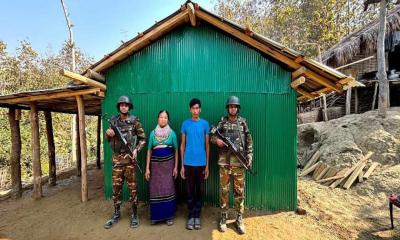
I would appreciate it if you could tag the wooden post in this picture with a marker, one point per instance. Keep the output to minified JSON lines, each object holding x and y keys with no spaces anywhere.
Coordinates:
{"x":325,"y":108}
{"x":35,"y":143}
{"x":76,"y":145}
{"x":98,"y":163}
{"x":82,"y":140}
{"x":15,"y":161}
{"x":355,"y":100}
{"x":51,"y":149}
{"x":348,"y":101}
{"x":374,"y":97}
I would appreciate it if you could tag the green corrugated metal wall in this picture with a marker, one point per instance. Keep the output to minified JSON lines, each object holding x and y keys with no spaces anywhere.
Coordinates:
{"x":203,"y":62}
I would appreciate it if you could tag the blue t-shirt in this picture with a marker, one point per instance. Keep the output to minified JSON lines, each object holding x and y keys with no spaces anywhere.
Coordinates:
{"x":195,"y":149}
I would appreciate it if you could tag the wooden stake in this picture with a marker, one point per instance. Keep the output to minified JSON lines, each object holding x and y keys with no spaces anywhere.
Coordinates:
{"x":82,"y":139}
{"x":374,"y":97}
{"x":15,"y":161}
{"x":35,"y":143}
{"x":98,"y":162}
{"x":325,"y":108}
{"x":348,"y":101}
{"x":51,"y":149}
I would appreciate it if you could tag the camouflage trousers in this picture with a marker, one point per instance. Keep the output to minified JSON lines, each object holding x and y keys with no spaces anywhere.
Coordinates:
{"x":225,"y":175}
{"x":120,"y":173}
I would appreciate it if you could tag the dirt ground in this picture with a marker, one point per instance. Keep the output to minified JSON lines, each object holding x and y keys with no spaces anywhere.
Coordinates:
{"x":331,"y":214}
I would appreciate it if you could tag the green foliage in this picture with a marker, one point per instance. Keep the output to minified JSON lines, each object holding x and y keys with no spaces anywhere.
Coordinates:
{"x":299,"y":24}
{"x":27,"y":70}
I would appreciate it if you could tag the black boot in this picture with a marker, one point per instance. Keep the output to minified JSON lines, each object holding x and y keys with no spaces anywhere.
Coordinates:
{"x":115,"y":217}
{"x":239,"y":224}
{"x":222,"y":222}
{"x":134,"y":217}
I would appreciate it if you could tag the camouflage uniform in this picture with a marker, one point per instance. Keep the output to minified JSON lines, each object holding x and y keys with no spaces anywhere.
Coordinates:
{"x":239,"y":134}
{"x":123,"y":165}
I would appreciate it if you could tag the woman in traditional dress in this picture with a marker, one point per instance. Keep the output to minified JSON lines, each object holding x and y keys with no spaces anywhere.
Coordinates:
{"x":162,"y":170}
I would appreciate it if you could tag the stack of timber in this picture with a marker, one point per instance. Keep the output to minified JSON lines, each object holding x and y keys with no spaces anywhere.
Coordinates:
{"x":334,"y":177}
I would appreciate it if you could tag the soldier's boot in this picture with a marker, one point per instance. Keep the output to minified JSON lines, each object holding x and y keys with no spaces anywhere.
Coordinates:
{"x":239,"y":224}
{"x":115,"y":217}
{"x":222,"y":222}
{"x":134,"y":217}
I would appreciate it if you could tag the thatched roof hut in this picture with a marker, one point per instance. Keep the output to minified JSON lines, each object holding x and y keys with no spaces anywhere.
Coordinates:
{"x":362,"y":41}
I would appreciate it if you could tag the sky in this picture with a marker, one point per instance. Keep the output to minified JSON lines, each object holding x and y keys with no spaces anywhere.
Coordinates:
{"x":100,"y":25}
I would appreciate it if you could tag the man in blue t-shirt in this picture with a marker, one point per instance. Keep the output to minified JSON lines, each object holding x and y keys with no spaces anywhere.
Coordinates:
{"x":194,"y":155}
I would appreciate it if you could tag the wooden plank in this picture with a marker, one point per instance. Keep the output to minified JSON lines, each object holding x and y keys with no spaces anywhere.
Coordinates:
{"x":82,"y":141}
{"x":68,"y":93}
{"x":340,"y":174}
{"x":322,"y":80}
{"x":309,"y":170}
{"x":354,"y":176}
{"x":304,"y":93}
{"x":35,"y":146}
{"x":192,"y":15}
{"x":320,"y":175}
{"x":321,"y":167}
{"x":313,"y":160}
{"x":297,"y":82}
{"x":370,"y":170}
{"x":51,"y":148}
{"x":83,"y":79}
{"x":331,"y":173}
{"x":15,"y":161}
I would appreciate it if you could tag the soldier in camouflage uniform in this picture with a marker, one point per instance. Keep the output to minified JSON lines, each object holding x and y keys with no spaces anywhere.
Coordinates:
{"x":123,"y":163}
{"x":235,"y":128}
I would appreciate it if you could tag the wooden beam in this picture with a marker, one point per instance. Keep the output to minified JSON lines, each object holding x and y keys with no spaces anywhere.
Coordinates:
{"x":247,"y":39}
{"x":95,"y":75}
{"x":297,"y":82}
{"x":348,"y":101}
{"x":69,"y":93}
{"x":304,"y":93}
{"x":35,"y":145}
{"x":370,"y":170}
{"x":83,"y":79}
{"x":192,"y":15}
{"x":354,"y":176}
{"x":82,"y":140}
{"x":98,"y":146}
{"x":143,"y":41}
{"x":15,"y":161}
{"x":322,"y":80}
{"x":51,"y":149}
{"x":298,"y":72}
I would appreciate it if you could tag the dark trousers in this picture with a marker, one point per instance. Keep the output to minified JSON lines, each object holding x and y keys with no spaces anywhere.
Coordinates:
{"x":194,"y":189}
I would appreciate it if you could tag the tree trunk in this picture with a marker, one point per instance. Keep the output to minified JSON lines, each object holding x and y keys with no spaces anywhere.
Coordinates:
{"x":16,"y":183}
{"x":51,"y":149}
{"x":383,"y":82}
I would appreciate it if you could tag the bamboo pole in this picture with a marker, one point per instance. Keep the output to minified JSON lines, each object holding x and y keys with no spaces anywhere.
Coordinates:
{"x":16,"y":183}
{"x":51,"y":149}
{"x":98,"y":162}
{"x":82,"y":140}
{"x":35,"y":144}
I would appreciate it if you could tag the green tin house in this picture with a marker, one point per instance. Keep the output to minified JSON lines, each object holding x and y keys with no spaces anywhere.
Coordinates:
{"x":194,"y":53}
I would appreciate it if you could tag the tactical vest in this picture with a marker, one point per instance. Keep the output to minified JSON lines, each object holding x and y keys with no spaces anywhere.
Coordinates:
{"x":128,"y":131}
{"x":235,"y":132}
